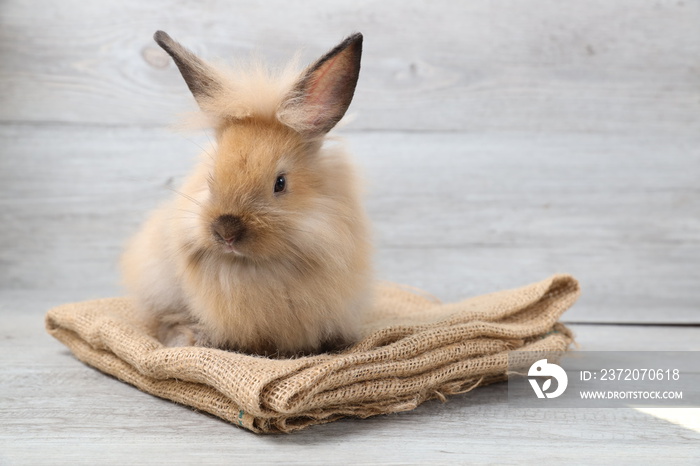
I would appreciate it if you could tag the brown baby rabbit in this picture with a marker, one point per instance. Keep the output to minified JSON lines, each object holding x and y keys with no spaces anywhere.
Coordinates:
{"x":266,"y":248}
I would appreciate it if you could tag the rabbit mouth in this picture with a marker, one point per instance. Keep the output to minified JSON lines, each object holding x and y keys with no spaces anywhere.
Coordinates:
{"x":229,"y":248}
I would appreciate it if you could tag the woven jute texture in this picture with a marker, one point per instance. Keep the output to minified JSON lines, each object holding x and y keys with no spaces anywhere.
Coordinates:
{"x":414,"y":349}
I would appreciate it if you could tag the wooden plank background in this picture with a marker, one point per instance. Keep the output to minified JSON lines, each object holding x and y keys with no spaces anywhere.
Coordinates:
{"x":621,"y":66}
{"x":457,"y":214}
{"x":501,"y":141}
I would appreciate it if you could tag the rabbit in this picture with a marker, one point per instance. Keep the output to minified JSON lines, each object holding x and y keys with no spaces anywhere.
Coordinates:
{"x":266,"y":247}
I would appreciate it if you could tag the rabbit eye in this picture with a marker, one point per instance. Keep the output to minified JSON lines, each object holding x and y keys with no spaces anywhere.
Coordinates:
{"x":280,"y":183}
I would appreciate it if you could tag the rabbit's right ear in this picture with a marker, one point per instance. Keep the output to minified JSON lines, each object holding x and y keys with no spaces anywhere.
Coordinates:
{"x":198,"y":75}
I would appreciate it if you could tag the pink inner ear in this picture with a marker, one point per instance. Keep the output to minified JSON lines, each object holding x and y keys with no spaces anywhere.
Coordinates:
{"x":318,"y":93}
{"x":329,"y":86}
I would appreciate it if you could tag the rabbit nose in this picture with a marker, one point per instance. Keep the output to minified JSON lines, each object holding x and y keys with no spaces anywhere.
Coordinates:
{"x":228,"y":228}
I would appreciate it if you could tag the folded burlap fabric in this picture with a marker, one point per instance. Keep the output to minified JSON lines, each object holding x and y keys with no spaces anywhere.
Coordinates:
{"x":414,"y":349}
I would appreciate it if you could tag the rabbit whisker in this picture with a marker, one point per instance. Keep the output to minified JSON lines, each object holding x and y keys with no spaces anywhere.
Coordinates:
{"x":208,"y":138}
{"x":187,"y":211}
{"x":186,"y":196}
{"x":202,"y":148}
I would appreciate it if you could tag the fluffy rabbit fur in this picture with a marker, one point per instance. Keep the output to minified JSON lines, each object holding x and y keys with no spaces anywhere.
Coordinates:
{"x":266,"y":248}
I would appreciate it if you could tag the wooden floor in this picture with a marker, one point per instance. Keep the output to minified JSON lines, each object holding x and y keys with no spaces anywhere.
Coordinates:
{"x":501,"y":142}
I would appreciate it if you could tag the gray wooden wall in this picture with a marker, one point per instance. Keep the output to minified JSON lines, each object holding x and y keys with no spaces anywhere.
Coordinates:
{"x":503,"y":141}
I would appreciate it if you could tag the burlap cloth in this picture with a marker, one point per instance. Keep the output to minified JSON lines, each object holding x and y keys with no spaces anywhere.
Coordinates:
{"x":415,"y":348}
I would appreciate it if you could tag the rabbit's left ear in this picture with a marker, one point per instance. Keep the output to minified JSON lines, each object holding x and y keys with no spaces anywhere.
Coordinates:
{"x":198,"y":75}
{"x":326,"y":88}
